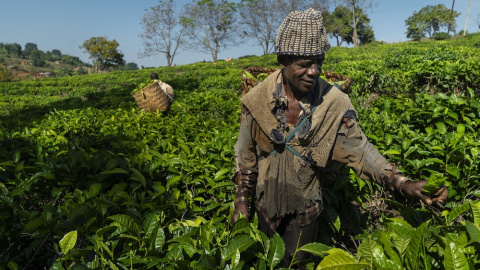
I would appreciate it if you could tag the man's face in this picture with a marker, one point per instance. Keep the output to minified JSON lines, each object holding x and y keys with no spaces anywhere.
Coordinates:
{"x":302,"y":73}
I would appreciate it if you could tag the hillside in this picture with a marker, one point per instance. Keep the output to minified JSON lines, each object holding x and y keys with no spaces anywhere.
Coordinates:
{"x":23,"y":69}
{"x":90,"y":181}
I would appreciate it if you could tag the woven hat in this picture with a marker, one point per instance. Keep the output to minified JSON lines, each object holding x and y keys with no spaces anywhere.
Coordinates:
{"x":302,"y":34}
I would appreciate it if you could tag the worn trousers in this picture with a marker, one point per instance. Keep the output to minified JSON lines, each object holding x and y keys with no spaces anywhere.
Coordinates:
{"x":290,"y":232}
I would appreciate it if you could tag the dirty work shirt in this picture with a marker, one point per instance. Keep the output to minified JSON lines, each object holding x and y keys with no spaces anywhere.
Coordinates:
{"x":284,"y":182}
{"x":167,"y":89}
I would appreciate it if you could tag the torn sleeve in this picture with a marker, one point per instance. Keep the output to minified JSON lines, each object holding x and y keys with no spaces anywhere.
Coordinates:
{"x":353,"y":149}
{"x":245,"y":178}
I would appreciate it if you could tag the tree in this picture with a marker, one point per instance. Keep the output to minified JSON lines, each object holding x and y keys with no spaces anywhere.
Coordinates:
{"x":357,"y":14}
{"x":211,"y":25}
{"x":260,"y":22}
{"x":13,"y":49}
{"x":338,"y":25}
{"x":261,"y":18}
{"x":104,"y":53}
{"x":6,"y":74}
{"x":29,"y":48}
{"x":429,"y":20}
{"x":57,"y":53}
{"x":72,"y":60}
{"x":129,"y":66}
{"x":163,"y":33}
{"x":37,"y":58}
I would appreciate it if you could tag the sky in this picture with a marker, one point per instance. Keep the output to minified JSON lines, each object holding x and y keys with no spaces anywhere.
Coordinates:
{"x":65,"y":24}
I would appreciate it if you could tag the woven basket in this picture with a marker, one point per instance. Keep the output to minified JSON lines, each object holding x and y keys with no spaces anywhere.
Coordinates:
{"x":249,"y":83}
{"x":344,"y":82}
{"x":152,"y":98}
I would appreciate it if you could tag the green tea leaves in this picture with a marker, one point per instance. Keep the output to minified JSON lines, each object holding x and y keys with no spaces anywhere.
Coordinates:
{"x":435,"y":182}
{"x":68,"y":241}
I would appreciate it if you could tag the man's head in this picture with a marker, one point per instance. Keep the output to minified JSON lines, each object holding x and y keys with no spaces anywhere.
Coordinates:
{"x":300,"y":45}
{"x":302,"y":34}
{"x":154,"y":76}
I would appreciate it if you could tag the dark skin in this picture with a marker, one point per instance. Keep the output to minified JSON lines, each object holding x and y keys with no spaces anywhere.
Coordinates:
{"x":299,"y":77}
{"x":414,"y":190}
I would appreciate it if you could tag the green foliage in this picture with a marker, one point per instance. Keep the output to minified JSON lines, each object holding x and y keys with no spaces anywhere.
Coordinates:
{"x":5,"y":74}
{"x":410,"y":67}
{"x":339,"y":25}
{"x":441,"y":36}
{"x":87,"y":180}
{"x":434,"y":137}
{"x":103,"y":52}
{"x":68,"y":241}
{"x":429,"y":20}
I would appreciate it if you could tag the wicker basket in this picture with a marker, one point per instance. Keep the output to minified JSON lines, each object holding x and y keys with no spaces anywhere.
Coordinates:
{"x":249,"y":83}
{"x":152,"y":98}
{"x":343,"y":82}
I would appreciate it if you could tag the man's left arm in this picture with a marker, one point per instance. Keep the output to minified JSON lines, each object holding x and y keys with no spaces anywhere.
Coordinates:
{"x":353,"y":149}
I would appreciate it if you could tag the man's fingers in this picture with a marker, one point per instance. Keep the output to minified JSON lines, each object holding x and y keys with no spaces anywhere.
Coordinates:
{"x":427,"y":200}
{"x":441,"y":191}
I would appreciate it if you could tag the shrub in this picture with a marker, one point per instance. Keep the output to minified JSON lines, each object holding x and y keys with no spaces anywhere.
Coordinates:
{"x":5,"y":74}
{"x":441,"y":36}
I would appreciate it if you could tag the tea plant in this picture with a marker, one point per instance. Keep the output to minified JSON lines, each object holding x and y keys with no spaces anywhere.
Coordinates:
{"x":87,"y":180}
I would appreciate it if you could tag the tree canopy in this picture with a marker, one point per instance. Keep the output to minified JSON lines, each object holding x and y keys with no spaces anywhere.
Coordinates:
{"x":29,"y":48}
{"x":211,"y":25}
{"x":429,"y":20}
{"x":103,"y":52}
{"x":261,"y":18}
{"x":355,"y":12}
{"x":162,"y":31}
{"x":339,"y":25}
{"x":260,"y":22}
{"x":13,"y":49}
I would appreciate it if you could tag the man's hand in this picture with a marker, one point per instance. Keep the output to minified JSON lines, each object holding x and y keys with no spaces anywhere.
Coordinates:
{"x":414,"y":189}
{"x":240,"y":208}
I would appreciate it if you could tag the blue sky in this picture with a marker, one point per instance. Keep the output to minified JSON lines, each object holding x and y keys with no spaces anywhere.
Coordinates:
{"x":65,"y":24}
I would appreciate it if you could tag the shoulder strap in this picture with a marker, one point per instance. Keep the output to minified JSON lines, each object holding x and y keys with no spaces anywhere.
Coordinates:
{"x":319,"y":101}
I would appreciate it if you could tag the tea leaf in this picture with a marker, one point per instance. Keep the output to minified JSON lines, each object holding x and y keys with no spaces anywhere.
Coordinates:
{"x":240,"y":242}
{"x":340,"y":259}
{"x":435,"y":182}
{"x":317,"y":249}
{"x":68,"y":241}
{"x":126,"y":222}
{"x":473,"y":232}
{"x":276,"y":251}
{"x":454,"y":257}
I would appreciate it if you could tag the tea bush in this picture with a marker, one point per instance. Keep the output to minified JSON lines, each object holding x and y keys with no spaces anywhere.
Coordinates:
{"x":89,"y":181}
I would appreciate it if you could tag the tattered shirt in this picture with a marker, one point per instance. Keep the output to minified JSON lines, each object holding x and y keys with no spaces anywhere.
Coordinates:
{"x":286,"y":177}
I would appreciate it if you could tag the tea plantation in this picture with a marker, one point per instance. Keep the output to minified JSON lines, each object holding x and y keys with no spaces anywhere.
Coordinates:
{"x":90,"y":181}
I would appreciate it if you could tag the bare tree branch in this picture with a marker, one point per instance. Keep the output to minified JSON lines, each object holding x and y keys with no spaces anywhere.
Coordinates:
{"x":211,"y":25}
{"x":163,"y":33}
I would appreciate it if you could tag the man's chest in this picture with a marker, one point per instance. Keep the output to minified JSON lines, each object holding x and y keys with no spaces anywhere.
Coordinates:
{"x":292,"y":112}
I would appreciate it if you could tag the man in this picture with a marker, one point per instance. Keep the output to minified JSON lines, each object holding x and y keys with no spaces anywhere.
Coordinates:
{"x":295,"y":128}
{"x":167,"y":89}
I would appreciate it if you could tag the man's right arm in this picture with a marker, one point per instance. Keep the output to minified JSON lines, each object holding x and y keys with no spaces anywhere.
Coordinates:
{"x":245,"y":177}
{"x":353,"y":149}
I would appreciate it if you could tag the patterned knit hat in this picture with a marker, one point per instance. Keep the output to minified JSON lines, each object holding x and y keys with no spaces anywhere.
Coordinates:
{"x":302,"y":34}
